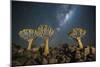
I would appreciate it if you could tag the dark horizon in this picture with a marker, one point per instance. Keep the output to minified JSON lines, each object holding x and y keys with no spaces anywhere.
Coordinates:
{"x":62,"y":17}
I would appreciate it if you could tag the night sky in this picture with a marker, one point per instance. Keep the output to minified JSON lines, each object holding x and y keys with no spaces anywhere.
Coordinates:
{"x":61,"y":17}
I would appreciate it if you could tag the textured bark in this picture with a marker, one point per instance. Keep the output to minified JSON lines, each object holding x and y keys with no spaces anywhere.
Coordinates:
{"x":80,"y":42}
{"x":29,"y":44}
{"x":46,"y":49}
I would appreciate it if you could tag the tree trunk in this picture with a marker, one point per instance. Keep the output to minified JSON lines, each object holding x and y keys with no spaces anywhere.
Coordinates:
{"x":80,"y":42}
{"x":29,"y":44}
{"x":46,"y":49}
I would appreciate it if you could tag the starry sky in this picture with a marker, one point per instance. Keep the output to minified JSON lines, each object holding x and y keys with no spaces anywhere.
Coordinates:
{"x":61,"y":17}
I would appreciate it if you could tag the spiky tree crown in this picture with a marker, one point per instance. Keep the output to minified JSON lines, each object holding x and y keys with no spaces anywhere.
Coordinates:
{"x":77,"y":32}
{"x":27,"y":34}
{"x":45,"y":30}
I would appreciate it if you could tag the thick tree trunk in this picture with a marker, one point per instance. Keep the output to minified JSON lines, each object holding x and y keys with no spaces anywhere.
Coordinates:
{"x":46,"y":49}
{"x":29,"y":44}
{"x":80,"y":42}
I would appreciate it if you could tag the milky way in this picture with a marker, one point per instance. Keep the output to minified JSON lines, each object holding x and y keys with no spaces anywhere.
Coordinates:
{"x":61,"y":17}
{"x":64,"y":12}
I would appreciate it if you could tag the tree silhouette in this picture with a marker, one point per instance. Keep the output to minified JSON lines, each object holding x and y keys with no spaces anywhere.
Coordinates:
{"x":77,"y":33}
{"x":29,"y":35}
{"x":46,"y":32}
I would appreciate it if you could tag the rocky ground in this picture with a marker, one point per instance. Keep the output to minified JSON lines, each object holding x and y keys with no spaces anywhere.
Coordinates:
{"x":63,"y":54}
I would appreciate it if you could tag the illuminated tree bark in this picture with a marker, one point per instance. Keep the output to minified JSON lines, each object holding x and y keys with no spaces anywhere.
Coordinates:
{"x":80,"y":42}
{"x":46,"y":48}
{"x":30,"y":44}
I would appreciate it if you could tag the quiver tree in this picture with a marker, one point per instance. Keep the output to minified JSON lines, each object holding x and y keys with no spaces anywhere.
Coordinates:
{"x":46,"y":32}
{"x":29,"y":35}
{"x":77,"y":33}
